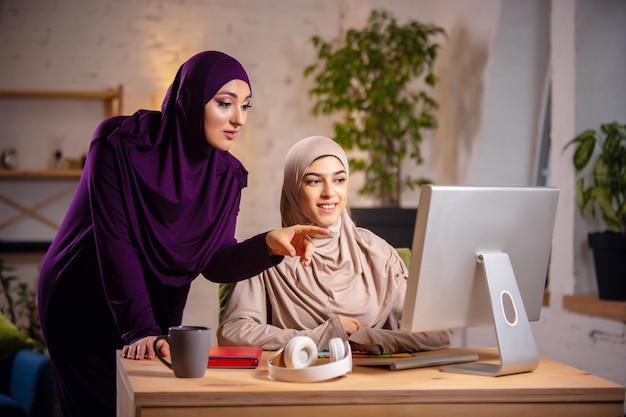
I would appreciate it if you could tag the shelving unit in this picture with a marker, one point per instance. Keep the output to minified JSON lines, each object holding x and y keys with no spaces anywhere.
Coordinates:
{"x":112,"y":100}
{"x":112,"y":97}
{"x":591,"y":305}
{"x":43,"y":174}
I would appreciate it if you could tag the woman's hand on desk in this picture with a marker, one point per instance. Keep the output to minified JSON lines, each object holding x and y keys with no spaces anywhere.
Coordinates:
{"x":350,"y":324}
{"x":294,"y":241}
{"x":143,"y":349}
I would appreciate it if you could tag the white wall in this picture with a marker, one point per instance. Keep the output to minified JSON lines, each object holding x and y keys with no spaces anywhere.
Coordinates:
{"x":585,"y":37}
{"x":600,"y":97}
{"x":492,"y":70}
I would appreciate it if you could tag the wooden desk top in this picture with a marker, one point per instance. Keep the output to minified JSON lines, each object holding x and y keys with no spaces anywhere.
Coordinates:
{"x":151,"y":384}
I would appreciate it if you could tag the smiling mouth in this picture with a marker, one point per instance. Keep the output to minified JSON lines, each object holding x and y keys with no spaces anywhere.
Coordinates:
{"x":327,"y":207}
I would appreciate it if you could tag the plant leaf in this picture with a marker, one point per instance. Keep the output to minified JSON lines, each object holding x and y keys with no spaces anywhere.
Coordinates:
{"x":584,"y":151}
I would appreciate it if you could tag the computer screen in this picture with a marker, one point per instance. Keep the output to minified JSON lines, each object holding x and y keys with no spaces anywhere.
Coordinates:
{"x":480,"y":257}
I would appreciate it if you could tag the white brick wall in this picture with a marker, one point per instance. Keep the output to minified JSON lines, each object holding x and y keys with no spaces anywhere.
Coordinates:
{"x":491,"y":68}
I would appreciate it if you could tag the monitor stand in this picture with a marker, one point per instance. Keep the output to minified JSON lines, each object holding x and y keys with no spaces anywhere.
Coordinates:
{"x":518,"y":352}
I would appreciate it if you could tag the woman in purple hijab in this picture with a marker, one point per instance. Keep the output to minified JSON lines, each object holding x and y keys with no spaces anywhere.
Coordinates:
{"x":156,"y":206}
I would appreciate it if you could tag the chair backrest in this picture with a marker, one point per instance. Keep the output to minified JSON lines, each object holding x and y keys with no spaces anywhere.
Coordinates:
{"x":32,"y":383}
{"x":223,"y":292}
{"x":405,"y":254}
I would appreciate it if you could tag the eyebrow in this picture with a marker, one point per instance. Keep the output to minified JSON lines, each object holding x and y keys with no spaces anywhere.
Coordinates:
{"x":233,"y":95}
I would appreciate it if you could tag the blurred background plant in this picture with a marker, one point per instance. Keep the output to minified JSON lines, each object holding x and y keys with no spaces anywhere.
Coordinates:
{"x":603,"y":188}
{"x":377,"y":81}
{"x":19,"y":304}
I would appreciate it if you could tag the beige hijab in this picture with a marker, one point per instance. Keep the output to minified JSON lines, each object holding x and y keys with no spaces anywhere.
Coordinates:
{"x":350,"y":272}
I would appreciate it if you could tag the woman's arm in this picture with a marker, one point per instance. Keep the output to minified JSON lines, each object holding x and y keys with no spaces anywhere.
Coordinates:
{"x":244,"y":321}
{"x":390,"y":339}
{"x":120,"y":266}
{"x":234,"y":262}
{"x":382,"y":341}
{"x":237,"y":261}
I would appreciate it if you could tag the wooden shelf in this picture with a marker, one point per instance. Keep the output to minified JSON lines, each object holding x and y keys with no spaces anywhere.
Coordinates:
{"x":107,"y":94}
{"x":591,"y":305}
{"x":24,"y":247}
{"x":40,"y":174}
{"x":112,"y":97}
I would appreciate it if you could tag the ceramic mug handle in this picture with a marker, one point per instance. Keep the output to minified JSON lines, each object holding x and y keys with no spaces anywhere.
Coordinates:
{"x":157,"y":351}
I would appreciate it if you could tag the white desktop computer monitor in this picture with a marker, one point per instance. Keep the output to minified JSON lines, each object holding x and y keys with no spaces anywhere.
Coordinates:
{"x":480,"y":258}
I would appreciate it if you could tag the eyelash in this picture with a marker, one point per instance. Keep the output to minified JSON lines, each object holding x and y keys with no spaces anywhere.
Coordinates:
{"x":317,"y":181}
{"x":227,"y":105}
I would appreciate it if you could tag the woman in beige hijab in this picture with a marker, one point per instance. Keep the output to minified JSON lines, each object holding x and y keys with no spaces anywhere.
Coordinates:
{"x":354,"y":286}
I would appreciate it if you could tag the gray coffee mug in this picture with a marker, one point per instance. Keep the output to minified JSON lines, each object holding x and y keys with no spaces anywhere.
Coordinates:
{"x":189,"y":350}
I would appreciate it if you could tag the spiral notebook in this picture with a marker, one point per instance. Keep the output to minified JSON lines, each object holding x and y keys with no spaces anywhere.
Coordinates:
{"x":234,"y":356}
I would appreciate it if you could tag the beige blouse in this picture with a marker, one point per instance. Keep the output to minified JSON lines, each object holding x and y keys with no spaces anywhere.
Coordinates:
{"x":284,"y":301}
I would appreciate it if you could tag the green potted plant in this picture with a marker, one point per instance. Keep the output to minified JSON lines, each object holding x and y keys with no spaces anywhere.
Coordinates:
{"x":602,"y":190}
{"x":377,"y":80}
{"x":19,"y":305}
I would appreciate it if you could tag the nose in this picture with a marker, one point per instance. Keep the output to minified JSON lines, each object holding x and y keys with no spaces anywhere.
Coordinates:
{"x":238,"y":117}
{"x":328,"y":190}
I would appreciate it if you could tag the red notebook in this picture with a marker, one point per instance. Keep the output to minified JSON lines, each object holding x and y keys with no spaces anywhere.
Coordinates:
{"x":234,"y":356}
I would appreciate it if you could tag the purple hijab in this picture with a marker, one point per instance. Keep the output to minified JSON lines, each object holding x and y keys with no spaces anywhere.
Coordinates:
{"x":180,"y":193}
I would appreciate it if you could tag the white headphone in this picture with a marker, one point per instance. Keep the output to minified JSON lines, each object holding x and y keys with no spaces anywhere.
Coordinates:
{"x":293,"y":362}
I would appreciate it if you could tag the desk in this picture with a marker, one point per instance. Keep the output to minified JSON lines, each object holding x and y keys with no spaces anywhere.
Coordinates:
{"x":148,"y":389}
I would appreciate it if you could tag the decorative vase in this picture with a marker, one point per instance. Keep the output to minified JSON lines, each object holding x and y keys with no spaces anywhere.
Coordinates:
{"x":394,"y":224}
{"x":609,"y":256}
